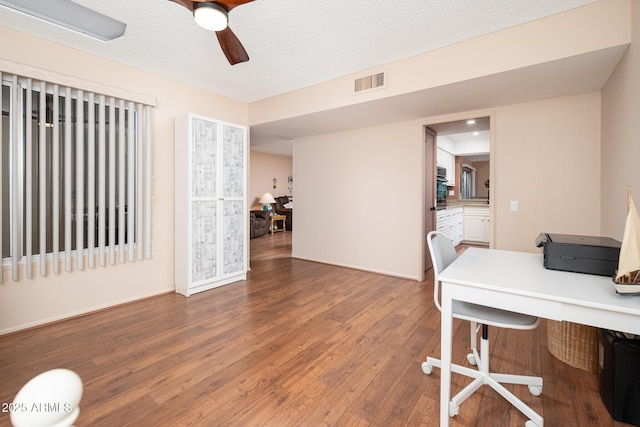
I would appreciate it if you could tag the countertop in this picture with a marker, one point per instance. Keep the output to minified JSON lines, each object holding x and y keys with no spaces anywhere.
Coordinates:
{"x":480,"y":203}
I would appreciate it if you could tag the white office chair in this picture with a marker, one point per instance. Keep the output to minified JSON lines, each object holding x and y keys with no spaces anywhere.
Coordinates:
{"x":443,"y":253}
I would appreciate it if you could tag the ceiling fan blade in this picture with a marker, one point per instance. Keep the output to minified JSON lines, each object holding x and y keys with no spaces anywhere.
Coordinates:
{"x":231,"y":46}
{"x":230,"y":4}
{"x":186,"y":3}
{"x":227,"y":4}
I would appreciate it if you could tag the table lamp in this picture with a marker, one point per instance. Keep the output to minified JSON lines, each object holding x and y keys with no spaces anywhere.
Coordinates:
{"x":266,"y":201}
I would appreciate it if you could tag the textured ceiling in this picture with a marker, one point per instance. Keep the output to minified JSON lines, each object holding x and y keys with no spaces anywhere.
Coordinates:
{"x":291,"y":43}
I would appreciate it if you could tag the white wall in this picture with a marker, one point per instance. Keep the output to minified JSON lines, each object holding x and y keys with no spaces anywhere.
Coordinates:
{"x":546,"y":156}
{"x":358,"y":198}
{"x":262,"y":169}
{"x":472,"y":146}
{"x":359,"y":193}
{"x":620,"y":138}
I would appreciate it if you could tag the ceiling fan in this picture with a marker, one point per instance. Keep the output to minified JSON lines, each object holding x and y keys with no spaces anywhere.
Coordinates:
{"x":214,"y":16}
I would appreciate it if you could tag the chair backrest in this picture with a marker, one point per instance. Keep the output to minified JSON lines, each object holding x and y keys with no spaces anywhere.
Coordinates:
{"x":48,"y":399}
{"x":442,"y":253}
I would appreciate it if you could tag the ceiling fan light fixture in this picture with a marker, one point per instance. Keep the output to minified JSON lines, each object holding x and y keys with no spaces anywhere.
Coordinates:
{"x":210,"y":16}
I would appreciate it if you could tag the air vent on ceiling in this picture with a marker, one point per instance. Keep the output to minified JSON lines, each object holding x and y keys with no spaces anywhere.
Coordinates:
{"x":373,"y":81}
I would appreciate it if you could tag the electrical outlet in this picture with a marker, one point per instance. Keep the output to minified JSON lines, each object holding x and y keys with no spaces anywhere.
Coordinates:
{"x":451,"y":192}
{"x":514,"y":206}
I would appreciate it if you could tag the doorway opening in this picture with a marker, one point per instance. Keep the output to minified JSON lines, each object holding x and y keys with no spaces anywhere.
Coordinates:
{"x":461,"y":152}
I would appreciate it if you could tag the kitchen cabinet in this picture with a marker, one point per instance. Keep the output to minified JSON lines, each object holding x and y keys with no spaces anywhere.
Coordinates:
{"x":459,"y":221}
{"x":211,"y":242}
{"x":447,"y":161}
{"x":476,"y":224}
{"x":450,"y":223}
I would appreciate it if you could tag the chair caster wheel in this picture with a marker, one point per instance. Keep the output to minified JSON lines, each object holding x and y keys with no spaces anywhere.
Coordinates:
{"x":535,"y":390}
{"x":530,"y":423}
{"x":427,"y":368}
{"x":453,"y":409}
{"x":472,"y":359}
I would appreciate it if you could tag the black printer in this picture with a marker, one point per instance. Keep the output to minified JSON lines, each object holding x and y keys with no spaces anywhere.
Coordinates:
{"x":580,"y":254}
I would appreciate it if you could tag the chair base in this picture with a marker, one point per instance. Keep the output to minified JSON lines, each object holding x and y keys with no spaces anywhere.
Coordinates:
{"x":482,"y":376}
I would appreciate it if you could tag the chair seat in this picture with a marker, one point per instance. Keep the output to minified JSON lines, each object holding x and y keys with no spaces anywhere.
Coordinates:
{"x":492,"y":316}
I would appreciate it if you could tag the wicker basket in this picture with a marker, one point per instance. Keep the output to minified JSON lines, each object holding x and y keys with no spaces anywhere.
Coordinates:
{"x":574,"y":344}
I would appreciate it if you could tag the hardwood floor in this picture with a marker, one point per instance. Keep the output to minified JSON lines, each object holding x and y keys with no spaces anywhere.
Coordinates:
{"x":297,"y":344}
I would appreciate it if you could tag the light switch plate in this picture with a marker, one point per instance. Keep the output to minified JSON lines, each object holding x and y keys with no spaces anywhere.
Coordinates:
{"x":514,"y":206}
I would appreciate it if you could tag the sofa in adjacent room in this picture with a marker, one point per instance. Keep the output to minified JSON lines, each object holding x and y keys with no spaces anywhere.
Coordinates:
{"x":259,"y":223}
{"x":280,"y":209}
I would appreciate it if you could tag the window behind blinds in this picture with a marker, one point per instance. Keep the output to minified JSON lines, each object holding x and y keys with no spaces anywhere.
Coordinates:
{"x":75,"y":172}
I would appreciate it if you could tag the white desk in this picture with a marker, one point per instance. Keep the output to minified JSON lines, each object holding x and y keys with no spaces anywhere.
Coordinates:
{"x":517,"y":281}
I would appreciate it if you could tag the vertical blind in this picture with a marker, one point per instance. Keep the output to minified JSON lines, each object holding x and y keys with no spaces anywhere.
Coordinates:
{"x":75,"y":177}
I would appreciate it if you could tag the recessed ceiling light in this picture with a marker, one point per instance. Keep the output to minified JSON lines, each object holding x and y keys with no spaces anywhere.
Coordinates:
{"x":476,"y":133}
{"x":471,"y":122}
{"x":72,"y":16}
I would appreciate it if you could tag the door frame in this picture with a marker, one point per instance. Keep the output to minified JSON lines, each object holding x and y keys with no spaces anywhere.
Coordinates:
{"x":429,"y":191}
{"x":492,"y":194}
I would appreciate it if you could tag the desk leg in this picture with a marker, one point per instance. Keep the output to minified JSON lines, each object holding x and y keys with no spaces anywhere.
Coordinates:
{"x":445,"y":357}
